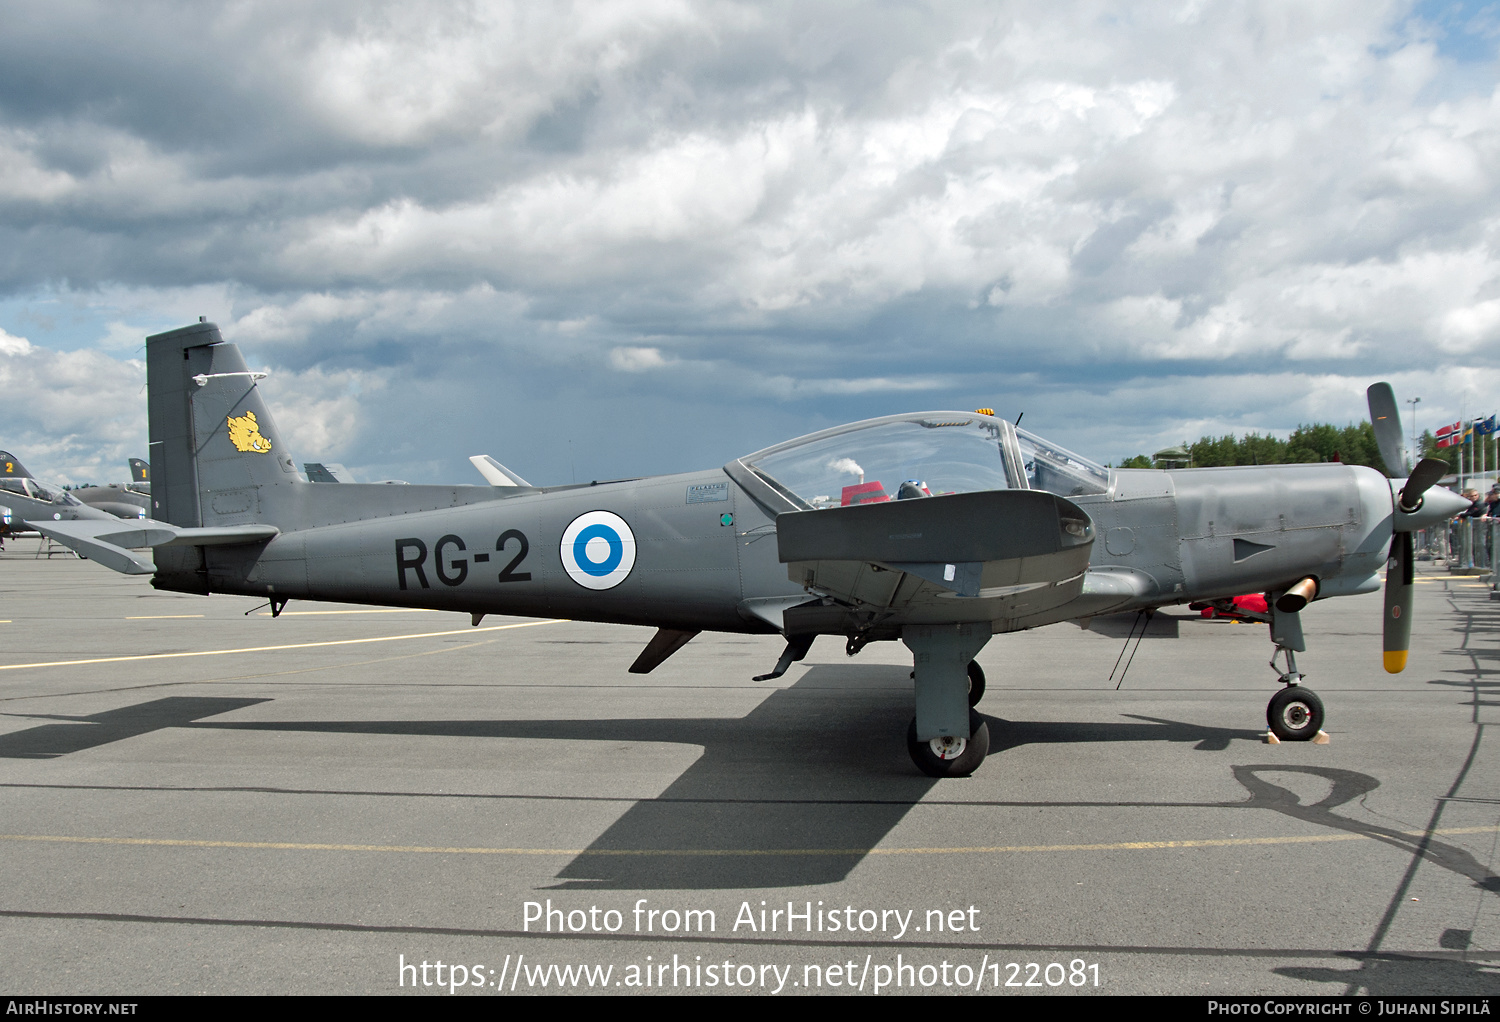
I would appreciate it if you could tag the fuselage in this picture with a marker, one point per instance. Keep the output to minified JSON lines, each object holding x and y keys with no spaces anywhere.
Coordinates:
{"x":700,"y":550}
{"x":705,"y":555}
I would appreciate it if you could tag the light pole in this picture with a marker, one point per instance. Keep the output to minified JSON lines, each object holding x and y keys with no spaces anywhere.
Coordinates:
{"x":1416,"y":453}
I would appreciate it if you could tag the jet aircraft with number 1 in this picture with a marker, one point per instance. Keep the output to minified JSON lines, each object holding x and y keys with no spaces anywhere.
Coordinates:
{"x":935,"y":529}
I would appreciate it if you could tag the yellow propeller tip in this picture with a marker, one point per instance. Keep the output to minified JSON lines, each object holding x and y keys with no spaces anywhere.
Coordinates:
{"x":1395,"y":661}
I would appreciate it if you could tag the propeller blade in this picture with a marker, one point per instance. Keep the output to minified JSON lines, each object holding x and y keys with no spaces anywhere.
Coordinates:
{"x":1386,"y":418}
{"x":1398,"y":598}
{"x":1427,"y":472}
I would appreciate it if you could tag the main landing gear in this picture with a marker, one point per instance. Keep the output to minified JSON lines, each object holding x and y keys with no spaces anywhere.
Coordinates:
{"x":1295,"y":714}
{"x":976,"y":682}
{"x":947,"y":737}
{"x":950,"y":756}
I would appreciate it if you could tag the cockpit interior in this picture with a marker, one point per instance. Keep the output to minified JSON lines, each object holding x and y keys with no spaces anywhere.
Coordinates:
{"x":928,"y":454}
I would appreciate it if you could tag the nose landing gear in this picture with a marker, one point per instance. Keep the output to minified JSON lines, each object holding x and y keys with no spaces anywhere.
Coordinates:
{"x":1295,"y":714}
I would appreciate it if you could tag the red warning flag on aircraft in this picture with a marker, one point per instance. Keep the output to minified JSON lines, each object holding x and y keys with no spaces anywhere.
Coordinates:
{"x":1448,"y":436}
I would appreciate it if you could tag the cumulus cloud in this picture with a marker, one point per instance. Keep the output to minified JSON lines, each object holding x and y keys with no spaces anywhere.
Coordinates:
{"x":438,"y":222}
{"x":635,"y":360}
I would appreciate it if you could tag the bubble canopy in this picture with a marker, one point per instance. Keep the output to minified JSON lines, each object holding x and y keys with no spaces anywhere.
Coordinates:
{"x":926,"y":454}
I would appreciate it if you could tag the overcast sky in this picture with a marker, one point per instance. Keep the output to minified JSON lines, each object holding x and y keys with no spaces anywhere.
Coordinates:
{"x":608,"y":239}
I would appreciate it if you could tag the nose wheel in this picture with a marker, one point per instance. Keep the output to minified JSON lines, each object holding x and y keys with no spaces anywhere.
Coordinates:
{"x":1295,"y":714}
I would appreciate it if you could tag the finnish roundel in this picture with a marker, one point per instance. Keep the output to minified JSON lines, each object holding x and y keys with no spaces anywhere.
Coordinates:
{"x":598,"y":550}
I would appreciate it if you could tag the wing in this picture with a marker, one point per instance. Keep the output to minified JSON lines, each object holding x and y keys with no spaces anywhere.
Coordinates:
{"x":988,"y":556}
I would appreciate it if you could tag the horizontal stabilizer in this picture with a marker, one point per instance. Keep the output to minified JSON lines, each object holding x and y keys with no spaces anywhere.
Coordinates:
{"x":332,"y":472}
{"x":495,"y":473}
{"x":222,"y":535}
{"x":110,"y":542}
{"x":104,"y":542}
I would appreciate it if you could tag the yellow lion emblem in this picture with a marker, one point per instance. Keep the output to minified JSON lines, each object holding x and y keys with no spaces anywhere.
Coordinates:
{"x":244,"y":433}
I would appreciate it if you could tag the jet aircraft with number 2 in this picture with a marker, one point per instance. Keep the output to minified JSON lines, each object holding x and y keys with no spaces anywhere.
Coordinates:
{"x":935,"y":529}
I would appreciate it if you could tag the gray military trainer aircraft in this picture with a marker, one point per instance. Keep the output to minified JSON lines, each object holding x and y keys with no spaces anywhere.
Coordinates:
{"x":24,"y":499}
{"x":123,"y":500}
{"x":937,"y":529}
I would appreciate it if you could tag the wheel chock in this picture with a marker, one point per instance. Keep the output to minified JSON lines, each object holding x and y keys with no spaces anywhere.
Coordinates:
{"x":1321,"y":738}
{"x":1270,"y":739}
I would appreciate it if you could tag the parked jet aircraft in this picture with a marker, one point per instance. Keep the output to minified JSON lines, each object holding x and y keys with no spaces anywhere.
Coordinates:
{"x":24,"y":499}
{"x":123,"y":500}
{"x":939,"y":529}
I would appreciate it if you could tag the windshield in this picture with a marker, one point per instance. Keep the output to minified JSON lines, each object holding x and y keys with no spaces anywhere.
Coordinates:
{"x":39,"y":491}
{"x":1056,"y":470}
{"x":921,"y":456}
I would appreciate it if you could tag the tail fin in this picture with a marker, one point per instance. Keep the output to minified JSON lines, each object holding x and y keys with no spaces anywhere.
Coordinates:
{"x":495,"y":473}
{"x":140,"y":471}
{"x":10,"y":468}
{"x":217,"y":455}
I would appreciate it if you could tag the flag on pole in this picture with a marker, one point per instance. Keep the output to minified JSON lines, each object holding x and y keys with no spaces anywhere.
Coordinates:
{"x":1484,"y":427}
{"x":1448,"y":436}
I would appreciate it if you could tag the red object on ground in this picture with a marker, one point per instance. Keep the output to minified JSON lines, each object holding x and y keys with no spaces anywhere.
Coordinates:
{"x":864,"y":493}
{"x":1250,"y":603}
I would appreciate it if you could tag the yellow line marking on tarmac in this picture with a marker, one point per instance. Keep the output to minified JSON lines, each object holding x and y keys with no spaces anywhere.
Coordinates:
{"x":397,"y":610}
{"x":294,"y":645}
{"x":160,"y":617}
{"x":1123,"y":846}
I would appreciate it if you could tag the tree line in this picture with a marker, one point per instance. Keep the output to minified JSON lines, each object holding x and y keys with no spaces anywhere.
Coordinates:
{"x":1353,"y":445}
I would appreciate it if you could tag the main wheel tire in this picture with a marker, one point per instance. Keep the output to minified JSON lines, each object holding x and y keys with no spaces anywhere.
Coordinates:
{"x":1295,"y":714}
{"x":976,"y":683}
{"x":950,"y":757}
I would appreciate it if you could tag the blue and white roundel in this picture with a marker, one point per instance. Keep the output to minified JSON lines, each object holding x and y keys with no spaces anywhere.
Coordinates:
{"x":598,"y":550}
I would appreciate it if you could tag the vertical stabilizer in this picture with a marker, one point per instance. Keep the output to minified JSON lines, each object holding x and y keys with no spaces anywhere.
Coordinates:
{"x":10,"y":468}
{"x":140,"y":471}
{"x":215,"y":451}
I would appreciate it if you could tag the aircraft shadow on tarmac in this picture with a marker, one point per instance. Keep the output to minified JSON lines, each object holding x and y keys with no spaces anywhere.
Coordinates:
{"x":75,"y":734}
{"x":791,"y":794}
{"x":1123,"y":626}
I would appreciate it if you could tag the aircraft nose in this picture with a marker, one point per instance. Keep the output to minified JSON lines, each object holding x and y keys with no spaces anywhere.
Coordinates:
{"x":1438,"y":505}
